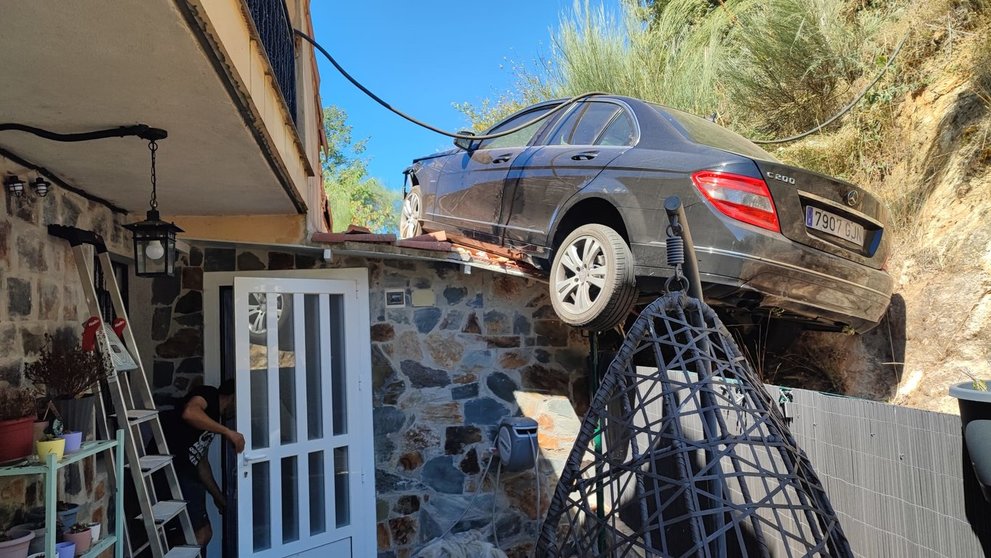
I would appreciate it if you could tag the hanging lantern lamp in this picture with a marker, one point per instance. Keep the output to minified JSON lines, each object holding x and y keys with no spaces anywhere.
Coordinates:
{"x":154,"y":239}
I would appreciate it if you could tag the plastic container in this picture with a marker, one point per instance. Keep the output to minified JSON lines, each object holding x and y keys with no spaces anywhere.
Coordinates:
{"x":94,"y":531}
{"x":65,"y":549}
{"x":17,"y":546}
{"x":82,"y":540}
{"x":73,"y":441}
{"x":16,"y":435}
{"x":50,"y":446}
{"x":68,"y":516}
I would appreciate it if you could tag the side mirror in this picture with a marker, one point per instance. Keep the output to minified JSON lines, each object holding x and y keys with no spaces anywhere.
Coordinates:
{"x":466,"y":144}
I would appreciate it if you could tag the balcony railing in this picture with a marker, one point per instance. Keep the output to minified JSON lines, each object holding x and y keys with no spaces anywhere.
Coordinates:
{"x":272,"y":22}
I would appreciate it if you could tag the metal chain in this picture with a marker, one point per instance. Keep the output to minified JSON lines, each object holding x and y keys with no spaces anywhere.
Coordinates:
{"x":153,"y":147}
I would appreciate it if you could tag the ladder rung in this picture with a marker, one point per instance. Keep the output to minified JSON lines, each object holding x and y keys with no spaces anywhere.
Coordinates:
{"x":183,"y":552}
{"x":165,"y":510}
{"x":137,"y":416}
{"x":152,"y":463}
{"x":137,"y":551}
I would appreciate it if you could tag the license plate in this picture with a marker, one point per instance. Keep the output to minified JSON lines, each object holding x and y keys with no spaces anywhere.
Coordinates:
{"x":833,"y":224}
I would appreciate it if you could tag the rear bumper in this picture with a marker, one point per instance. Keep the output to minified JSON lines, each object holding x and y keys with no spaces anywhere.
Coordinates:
{"x":782,"y":276}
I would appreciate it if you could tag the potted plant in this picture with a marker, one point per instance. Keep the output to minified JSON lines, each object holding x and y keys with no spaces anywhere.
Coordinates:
{"x":974,"y":399}
{"x":14,"y":543}
{"x":16,"y":420}
{"x":94,"y":531}
{"x":50,"y":444}
{"x":79,"y":534}
{"x":69,"y":373}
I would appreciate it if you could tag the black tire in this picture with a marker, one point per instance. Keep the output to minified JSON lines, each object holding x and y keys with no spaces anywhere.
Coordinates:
{"x":258,"y":333}
{"x":411,"y":214}
{"x":593,"y":252}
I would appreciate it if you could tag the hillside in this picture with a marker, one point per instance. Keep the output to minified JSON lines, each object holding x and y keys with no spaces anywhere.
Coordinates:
{"x":922,"y":141}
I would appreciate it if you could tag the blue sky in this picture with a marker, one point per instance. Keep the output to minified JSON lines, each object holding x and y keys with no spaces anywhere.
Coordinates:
{"x":421,"y":56}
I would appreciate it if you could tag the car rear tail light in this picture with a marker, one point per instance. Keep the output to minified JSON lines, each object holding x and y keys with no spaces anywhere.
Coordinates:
{"x":741,"y":197}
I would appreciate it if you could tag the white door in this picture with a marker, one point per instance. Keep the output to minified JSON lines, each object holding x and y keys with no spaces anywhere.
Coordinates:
{"x":305,"y":482}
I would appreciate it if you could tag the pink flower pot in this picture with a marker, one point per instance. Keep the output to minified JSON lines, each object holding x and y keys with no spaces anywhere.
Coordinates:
{"x":17,"y":546}
{"x":81,"y":540}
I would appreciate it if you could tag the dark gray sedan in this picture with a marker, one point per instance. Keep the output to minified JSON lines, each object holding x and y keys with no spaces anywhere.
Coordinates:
{"x":580,"y":194}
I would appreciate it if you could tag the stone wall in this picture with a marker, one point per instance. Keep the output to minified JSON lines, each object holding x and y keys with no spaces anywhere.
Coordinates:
{"x":40,"y":293}
{"x":474,"y":349}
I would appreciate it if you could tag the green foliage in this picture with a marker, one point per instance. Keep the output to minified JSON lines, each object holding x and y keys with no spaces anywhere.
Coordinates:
{"x":355,"y":198}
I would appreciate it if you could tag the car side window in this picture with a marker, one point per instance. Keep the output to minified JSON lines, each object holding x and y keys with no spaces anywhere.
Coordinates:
{"x":520,"y":138}
{"x":595,"y":118}
{"x":618,"y":132}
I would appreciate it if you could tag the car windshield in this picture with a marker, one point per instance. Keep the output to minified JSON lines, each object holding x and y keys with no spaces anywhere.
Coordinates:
{"x":709,"y":133}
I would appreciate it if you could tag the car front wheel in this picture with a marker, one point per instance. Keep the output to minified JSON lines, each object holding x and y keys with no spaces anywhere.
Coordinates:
{"x":409,"y":221}
{"x":592,"y":280}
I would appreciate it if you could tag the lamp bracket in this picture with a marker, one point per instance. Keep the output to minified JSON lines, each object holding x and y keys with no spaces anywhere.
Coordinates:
{"x":142,"y":131}
{"x":77,"y":236}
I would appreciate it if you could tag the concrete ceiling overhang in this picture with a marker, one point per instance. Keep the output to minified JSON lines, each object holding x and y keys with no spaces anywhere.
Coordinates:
{"x":81,"y":66}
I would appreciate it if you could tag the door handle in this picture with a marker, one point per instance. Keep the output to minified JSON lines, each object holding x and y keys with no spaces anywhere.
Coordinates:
{"x":585,"y":156}
{"x":502,"y":158}
{"x":252,"y":456}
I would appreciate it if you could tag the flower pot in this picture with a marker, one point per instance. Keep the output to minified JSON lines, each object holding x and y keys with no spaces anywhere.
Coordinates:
{"x":73,"y":441}
{"x":38,"y":542}
{"x":78,"y":414}
{"x":94,"y":531}
{"x":17,"y":546}
{"x":68,"y":516}
{"x":82,"y":540}
{"x":16,"y":435}
{"x":50,"y":446}
{"x":65,"y":549}
{"x":975,"y":422}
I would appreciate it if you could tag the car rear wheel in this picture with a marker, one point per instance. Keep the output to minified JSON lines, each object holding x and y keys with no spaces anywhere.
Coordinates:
{"x":412,"y":214}
{"x":592,"y":281}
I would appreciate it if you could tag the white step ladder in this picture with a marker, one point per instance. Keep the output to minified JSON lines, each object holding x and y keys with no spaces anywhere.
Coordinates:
{"x":128,"y":388}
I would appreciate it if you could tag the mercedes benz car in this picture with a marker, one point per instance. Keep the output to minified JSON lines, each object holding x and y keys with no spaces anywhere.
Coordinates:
{"x":580,"y":195}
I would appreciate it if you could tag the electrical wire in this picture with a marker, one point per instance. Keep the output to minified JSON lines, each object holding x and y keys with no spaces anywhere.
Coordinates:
{"x":536,"y":478}
{"x":849,"y":106}
{"x":142,"y":131}
{"x":495,"y":528}
{"x":420,"y":123}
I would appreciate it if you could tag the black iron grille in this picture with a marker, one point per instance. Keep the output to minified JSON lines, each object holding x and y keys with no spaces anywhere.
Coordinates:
{"x":272,"y":22}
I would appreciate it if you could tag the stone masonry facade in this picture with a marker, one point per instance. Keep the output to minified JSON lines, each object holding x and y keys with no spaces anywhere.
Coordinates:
{"x":482,"y":347}
{"x":40,"y":293}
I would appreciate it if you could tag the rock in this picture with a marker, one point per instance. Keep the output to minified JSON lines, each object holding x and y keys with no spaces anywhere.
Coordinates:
{"x":502,"y":386}
{"x":443,"y":413}
{"x":406,"y":505}
{"x":407,"y":346}
{"x":11,"y":373}
{"x":191,"y":320}
{"x":446,"y":350}
{"x":469,"y":465}
{"x":31,"y":254}
{"x":452,"y":321}
{"x":191,"y":366}
{"x":195,"y":257}
{"x":19,"y":301}
{"x":388,"y":482}
{"x":426,"y":319}
{"x":5,"y":237}
{"x":32,"y":342}
{"x":383,"y":448}
{"x":184,"y":343}
{"x":457,"y":437}
{"x":476,"y":302}
{"x":280,"y":260}
{"x":512,"y":359}
{"x":189,"y":303}
{"x":8,"y":338}
{"x":383,"y":332}
{"x":382,"y":369}
{"x":502,"y":341}
{"x":218,"y":259}
{"x":411,"y":461}
{"x":421,"y":437}
{"x":466,"y":391}
{"x":496,"y":323}
{"x":164,"y":290}
{"x":305,"y":262}
{"x":477,"y":361}
{"x":454,"y":295}
{"x":161,"y":320}
{"x":507,"y":287}
{"x":440,"y":474}
{"x":421,"y":376}
{"x":50,"y":301}
{"x":545,"y":380}
{"x":521,"y":325}
{"x":383,"y":537}
{"x":471,"y":326}
{"x":485,"y":410}
{"x":544,"y":357}
{"x":551,"y":333}
{"x":192,"y":278}
{"x":249,"y":261}
{"x":387,"y":420}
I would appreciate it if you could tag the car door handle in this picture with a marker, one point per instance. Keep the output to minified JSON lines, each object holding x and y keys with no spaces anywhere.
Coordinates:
{"x":252,"y":456}
{"x":502,"y":158}
{"x":585,"y":156}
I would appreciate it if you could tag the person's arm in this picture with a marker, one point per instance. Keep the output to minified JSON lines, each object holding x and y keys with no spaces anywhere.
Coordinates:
{"x":194,"y":413}
{"x":205,"y":473}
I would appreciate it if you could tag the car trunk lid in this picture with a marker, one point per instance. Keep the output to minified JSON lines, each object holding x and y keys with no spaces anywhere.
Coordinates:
{"x":828,"y":214}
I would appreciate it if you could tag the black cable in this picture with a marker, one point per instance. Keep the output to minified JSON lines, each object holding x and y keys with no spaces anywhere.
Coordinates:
{"x":398,"y":112}
{"x":142,"y":131}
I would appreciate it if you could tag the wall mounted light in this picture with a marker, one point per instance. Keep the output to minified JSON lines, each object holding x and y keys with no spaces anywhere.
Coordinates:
{"x":154,"y":239}
{"x":14,"y":185}
{"x":41,"y":186}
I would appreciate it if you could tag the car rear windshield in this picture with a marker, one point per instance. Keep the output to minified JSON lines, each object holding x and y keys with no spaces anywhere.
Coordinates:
{"x":708,"y":133}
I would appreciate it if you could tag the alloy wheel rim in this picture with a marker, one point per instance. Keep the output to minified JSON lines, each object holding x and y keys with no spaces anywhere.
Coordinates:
{"x":258,"y":311}
{"x":581,"y":277}
{"x":411,"y":209}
